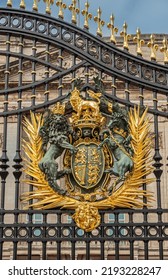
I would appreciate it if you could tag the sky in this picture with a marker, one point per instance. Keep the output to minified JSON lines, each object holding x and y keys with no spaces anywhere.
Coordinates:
{"x":151,"y":16}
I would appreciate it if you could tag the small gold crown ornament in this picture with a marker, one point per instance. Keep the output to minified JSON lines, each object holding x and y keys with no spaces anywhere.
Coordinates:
{"x":58,"y":108}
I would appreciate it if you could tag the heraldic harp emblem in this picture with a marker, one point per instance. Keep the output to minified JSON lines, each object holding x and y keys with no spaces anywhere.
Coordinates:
{"x":87,"y":153}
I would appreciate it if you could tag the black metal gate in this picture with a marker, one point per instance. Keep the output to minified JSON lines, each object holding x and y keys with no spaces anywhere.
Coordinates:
{"x":40,"y":57}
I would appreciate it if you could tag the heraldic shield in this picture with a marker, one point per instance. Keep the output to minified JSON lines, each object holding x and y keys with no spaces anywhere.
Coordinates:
{"x":88,"y":165}
{"x":87,"y":153}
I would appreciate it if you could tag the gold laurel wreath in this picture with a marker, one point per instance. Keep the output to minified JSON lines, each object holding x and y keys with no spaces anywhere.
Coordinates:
{"x":129,"y":195}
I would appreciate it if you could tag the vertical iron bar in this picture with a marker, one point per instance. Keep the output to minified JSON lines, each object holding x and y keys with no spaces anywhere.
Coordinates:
{"x":47,"y":56}
{"x":157,"y":157}
{"x":30,"y":224}
{"x":116,"y":236}
{"x":113,"y":86}
{"x":59,"y":236}
{"x":60,"y":86}
{"x":4,"y":158}
{"x":17,"y":159}
{"x":131,"y":235}
{"x":73,"y":74}
{"x":34,"y":51}
{"x":73,"y":242}
{"x":146,"y":242}
{"x":44,"y":243}
{"x":102,"y":253}
{"x":88,"y":246}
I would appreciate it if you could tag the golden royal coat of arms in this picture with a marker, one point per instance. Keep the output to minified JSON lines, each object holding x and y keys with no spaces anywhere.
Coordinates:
{"x":104,"y":151}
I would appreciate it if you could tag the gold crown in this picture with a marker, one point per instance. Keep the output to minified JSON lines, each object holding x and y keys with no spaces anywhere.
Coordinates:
{"x":58,"y":108}
{"x":120,"y":131}
{"x":91,"y":122}
{"x":87,"y":112}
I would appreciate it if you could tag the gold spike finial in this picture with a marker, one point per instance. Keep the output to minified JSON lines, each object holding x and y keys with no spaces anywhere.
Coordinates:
{"x":164,"y":50}
{"x":48,"y":4}
{"x":22,"y":4}
{"x":87,"y":15}
{"x":153,"y":47}
{"x":61,"y":7}
{"x":9,"y":3}
{"x":74,"y":10}
{"x":35,"y":5}
{"x":99,"y":21}
{"x":113,"y":29}
{"x":137,"y":39}
{"x":126,"y":36}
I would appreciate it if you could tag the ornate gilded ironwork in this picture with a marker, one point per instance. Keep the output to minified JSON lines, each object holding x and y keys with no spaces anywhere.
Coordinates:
{"x":35,"y":5}
{"x":113,"y":29}
{"x":22,"y":4}
{"x":164,"y":50}
{"x":9,"y":3}
{"x":126,"y":36}
{"x":105,"y":162}
{"x":99,"y":21}
{"x":87,"y":15}
{"x":153,"y":47}
{"x":48,"y":5}
{"x":61,"y":6}
{"x":139,"y":41}
{"x":74,"y":10}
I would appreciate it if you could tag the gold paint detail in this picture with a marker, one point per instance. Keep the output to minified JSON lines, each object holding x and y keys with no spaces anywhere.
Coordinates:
{"x":48,"y":5}
{"x":153,"y":47}
{"x":74,"y":10}
{"x":87,"y":15}
{"x":110,"y":107}
{"x":126,"y":36}
{"x":9,"y":3}
{"x":137,"y":39}
{"x":58,"y":109}
{"x":141,"y":96}
{"x":113,"y":29}
{"x":113,"y":86}
{"x":61,"y":86}
{"x":61,"y":57}
{"x":87,"y":111}
{"x":61,"y":6}
{"x":22,"y":4}
{"x":164,"y":50}
{"x":99,"y":21}
{"x":35,"y":5}
{"x":87,"y":217}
